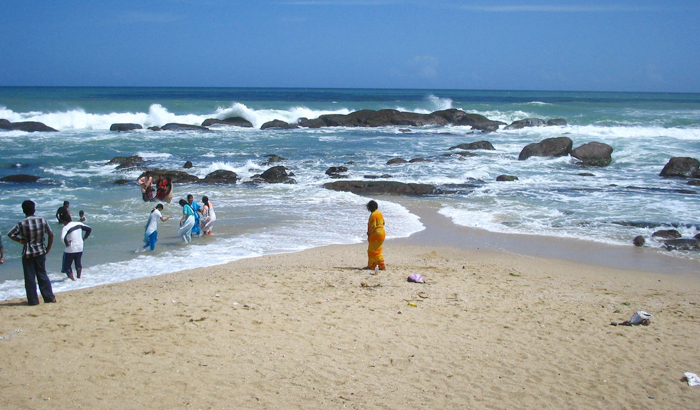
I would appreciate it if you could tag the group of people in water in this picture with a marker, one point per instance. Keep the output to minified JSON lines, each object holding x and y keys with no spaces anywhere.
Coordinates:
{"x":162,"y":192}
{"x":36,"y":236}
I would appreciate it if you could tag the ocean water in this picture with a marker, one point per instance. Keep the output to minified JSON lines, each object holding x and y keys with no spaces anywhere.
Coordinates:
{"x":551,"y":198}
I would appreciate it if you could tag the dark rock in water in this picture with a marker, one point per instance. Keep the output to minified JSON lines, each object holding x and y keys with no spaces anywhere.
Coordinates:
{"x":272,"y":158}
{"x":475,"y":146}
{"x":415,"y":160}
{"x":20,"y":178}
{"x":405,"y":130}
{"x":685,"y":167}
{"x":550,"y":147}
{"x":585,"y":174}
{"x":396,"y":161}
{"x":277,"y":175}
{"x":682,"y":244}
{"x":694,"y":182}
{"x":307,"y":123}
{"x":697,"y":236}
{"x":556,"y":122}
{"x":381,"y":187}
{"x":476,"y":121}
{"x":638,"y":241}
{"x":461,"y":154}
{"x":220,"y":176}
{"x":506,"y":178}
{"x":121,"y":182}
{"x":231,"y":122}
{"x":188,"y":165}
{"x":385,"y":176}
{"x":27,"y":126}
{"x":175,"y":176}
{"x":122,"y":127}
{"x":127,"y":162}
{"x":278,"y":124}
{"x":594,"y":154}
{"x":155,"y":128}
{"x":666,"y":234}
{"x":527,"y":122}
{"x":336,"y":170}
{"x":183,"y":127}
{"x":4,"y":122}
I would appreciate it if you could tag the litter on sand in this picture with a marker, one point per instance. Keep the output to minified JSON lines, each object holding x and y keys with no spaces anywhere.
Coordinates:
{"x":639,"y":317}
{"x":692,"y":378}
{"x":416,"y":277}
{"x":11,"y":335}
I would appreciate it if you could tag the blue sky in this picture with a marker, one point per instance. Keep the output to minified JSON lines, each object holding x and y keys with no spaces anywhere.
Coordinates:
{"x":498,"y":44}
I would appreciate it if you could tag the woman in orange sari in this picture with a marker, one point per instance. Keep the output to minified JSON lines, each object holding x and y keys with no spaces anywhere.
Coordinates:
{"x":375,"y":236}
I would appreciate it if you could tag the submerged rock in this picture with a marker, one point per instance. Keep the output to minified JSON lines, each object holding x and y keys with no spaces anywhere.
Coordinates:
{"x":20,"y":179}
{"x":506,"y":178}
{"x":527,"y":122}
{"x":277,"y":175}
{"x":27,"y":126}
{"x":381,"y":187}
{"x":122,"y":127}
{"x":666,"y":234}
{"x":278,"y":124}
{"x":220,"y":176}
{"x":231,"y":122}
{"x":183,"y":127}
{"x":127,"y":162}
{"x":471,"y":146}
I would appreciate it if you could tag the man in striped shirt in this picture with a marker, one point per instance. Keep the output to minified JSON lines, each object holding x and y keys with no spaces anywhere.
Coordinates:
{"x":31,"y":232}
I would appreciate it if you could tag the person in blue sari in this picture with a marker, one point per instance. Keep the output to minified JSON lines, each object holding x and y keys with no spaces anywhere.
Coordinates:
{"x":195,"y":207}
{"x":187,"y":222}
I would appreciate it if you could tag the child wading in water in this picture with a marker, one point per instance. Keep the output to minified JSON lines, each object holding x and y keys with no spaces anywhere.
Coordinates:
{"x":151,"y":236}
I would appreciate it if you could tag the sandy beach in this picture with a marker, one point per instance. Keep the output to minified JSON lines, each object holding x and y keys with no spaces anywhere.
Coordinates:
{"x":488,"y":330}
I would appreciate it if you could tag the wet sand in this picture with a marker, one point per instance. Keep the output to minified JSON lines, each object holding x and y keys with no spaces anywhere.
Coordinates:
{"x":489,"y":330}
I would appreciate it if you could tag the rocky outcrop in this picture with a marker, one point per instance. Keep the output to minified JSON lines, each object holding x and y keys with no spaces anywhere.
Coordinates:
{"x":220,"y":176}
{"x":550,"y":147}
{"x":506,"y":178}
{"x":381,"y":188}
{"x":231,"y":122}
{"x":638,"y":240}
{"x":594,"y":154}
{"x":20,"y":179}
{"x":337,"y":172}
{"x":684,"y":167}
{"x":476,"y":121}
{"x":682,"y":244}
{"x":27,"y":126}
{"x":471,"y":146}
{"x":666,"y":234}
{"x":278,"y":124}
{"x":277,"y":175}
{"x":556,"y":122}
{"x":395,"y":161}
{"x":272,"y":158}
{"x":183,"y":127}
{"x":122,"y":127}
{"x":175,"y":176}
{"x":307,"y":123}
{"x":127,"y":162}
{"x":383,"y":176}
{"x":188,"y":165}
{"x":527,"y":122}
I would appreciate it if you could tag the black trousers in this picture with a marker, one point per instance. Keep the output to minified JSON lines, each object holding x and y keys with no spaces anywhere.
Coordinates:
{"x":35,"y":271}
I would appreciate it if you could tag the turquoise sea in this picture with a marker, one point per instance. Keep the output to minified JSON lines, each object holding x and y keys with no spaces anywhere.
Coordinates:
{"x":551,"y":198}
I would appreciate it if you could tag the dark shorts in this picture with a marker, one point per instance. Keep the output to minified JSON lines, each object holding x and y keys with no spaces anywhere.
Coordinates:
{"x":69,"y":258}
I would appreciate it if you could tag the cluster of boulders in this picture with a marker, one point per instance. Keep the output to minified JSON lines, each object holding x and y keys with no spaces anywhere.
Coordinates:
{"x":27,"y":126}
{"x":274,"y":175}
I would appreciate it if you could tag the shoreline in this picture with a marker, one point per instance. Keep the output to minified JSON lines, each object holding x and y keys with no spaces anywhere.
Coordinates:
{"x":440,"y":230}
{"x":311,"y":329}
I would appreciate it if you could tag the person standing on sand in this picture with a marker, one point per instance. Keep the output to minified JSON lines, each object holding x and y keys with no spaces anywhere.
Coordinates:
{"x":195,"y":207}
{"x":186,"y":222}
{"x":375,"y":237}
{"x":72,"y":237}
{"x":146,"y":182}
{"x":151,"y":236}
{"x":31,"y":232}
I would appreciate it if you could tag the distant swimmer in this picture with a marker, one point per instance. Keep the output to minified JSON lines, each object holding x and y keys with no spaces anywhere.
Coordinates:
{"x":62,"y":210}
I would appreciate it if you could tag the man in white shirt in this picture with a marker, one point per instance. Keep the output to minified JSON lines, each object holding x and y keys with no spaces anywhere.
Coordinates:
{"x":73,"y":235}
